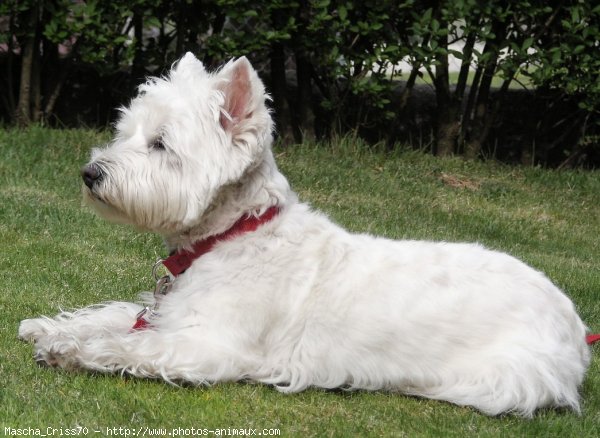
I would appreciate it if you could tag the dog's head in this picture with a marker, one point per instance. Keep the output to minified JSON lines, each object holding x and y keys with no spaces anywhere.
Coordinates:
{"x":182,"y":139}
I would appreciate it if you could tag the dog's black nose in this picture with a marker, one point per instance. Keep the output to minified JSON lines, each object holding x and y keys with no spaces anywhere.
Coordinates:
{"x":91,"y":174}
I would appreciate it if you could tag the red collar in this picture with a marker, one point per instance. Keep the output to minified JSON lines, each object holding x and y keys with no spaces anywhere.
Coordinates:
{"x":181,"y":260}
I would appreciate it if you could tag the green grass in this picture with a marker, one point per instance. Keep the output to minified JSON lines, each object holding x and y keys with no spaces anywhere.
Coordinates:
{"x":55,"y":253}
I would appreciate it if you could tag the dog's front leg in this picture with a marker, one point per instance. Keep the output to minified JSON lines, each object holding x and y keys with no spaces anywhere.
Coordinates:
{"x":183,"y":353}
{"x":57,"y":339}
{"x":175,"y":355}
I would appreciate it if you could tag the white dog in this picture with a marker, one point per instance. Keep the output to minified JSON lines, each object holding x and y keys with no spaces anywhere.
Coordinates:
{"x":265,"y":289}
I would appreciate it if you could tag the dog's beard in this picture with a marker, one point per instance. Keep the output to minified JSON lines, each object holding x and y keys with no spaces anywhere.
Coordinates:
{"x":104,"y":209}
{"x":154,"y":209}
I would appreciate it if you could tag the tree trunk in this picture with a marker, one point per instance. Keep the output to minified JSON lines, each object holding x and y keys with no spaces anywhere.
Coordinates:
{"x":57,"y":88}
{"x":481,"y":129}
{"x":412,"y":78}
{"x":36,"y":85}
{"x":408,"y":87}
{"x":280,"y":93}
{"x":465,"y":65}
{"x":447,"y":124}
{"x":305,"y":119}
{"x":10,"y":91}
{"x":137,"y":68}
{"x":479,"y":122}
{"x":447,"y":129}
{"x":29,"y":50}
{"x":303,"y":116}
{"x":180,"y":27}
{"x":461,"y":88}
{"x":467,"y":116}
{"x":482,"y":122}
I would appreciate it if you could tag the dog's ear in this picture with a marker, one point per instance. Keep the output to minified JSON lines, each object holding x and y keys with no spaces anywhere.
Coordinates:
{"x":189,"y":64}
{"x":241,"y":87}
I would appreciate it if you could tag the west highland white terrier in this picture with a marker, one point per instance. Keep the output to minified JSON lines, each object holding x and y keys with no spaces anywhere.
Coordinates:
{"x":263,"y":288}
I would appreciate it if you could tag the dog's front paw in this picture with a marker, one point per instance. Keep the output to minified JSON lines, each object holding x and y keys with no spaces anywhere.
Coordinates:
{"x":52,"y":348}
{"x":45,"y":359}
{"x":57,"y":351}
{"x":34,"y":329}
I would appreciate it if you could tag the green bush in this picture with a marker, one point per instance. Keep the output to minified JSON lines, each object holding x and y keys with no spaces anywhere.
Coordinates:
{"x":332,"y":66}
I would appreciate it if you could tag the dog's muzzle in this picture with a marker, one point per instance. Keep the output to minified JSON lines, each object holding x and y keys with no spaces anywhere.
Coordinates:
{"x":91,"y":174}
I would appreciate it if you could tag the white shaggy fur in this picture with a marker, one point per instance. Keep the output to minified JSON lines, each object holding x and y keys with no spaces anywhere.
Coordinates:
{"x":300,"y":302}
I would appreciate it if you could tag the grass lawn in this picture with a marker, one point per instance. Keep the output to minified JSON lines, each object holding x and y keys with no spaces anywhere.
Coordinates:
{"x":56,"y":254}
{"x":520,"y":82}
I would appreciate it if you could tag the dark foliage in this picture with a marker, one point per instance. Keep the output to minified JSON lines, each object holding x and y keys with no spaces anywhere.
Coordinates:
{"x":331,"y":66}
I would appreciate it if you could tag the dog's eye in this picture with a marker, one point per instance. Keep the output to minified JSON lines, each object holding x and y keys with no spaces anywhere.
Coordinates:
{"x":157,"y":143}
